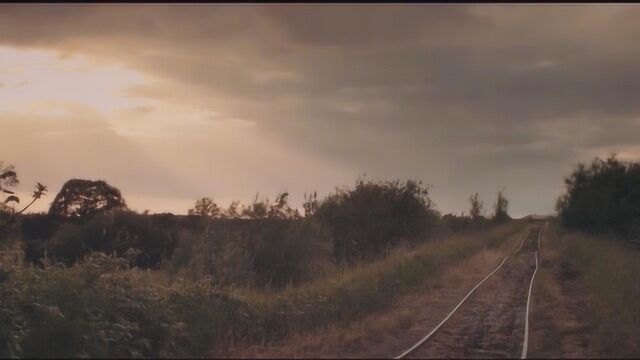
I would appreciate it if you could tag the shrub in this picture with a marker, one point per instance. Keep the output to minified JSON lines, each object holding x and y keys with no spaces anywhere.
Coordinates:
{"x":283,"y":251}
{"x":36,"y":230}
{"x":368,"y":220}
{"x":456,"y":223}
{"x":603,"y":197}
{"x":119,"y":232}
{"x":267,"y":252}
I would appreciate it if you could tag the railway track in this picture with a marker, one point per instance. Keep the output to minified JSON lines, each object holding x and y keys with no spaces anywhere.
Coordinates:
{"x":495,"y":322}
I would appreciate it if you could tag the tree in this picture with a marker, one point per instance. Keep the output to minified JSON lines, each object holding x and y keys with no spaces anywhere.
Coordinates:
{"x":368,"y":220}
{"x":232,"y":211}
{"x":310,"y":204}
{"x":84,"y":198}
{"x":603,"y":197}
{"x":281,"y":209}
{"x":205,"y":207}
{"x":9,"y":178}
{"x":259,"y":209}
{"x":476,"y":207}
{"x":500,"y":208}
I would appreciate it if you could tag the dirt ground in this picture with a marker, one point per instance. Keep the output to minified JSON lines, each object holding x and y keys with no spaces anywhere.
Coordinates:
{"x":491,"y":323}
{"x":559,"y":323}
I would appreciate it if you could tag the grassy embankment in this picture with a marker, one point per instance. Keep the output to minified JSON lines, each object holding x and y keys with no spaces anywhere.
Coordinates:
{"x":594,"y":280}
{"x":611,"y":271}
{"x":99,"y":308}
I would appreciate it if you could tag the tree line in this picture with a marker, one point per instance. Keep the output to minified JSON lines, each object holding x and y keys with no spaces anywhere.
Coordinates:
{"x":274,"y":241}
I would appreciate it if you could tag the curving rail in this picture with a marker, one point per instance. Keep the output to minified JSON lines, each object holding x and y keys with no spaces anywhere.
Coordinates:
{"x":526,"y":337}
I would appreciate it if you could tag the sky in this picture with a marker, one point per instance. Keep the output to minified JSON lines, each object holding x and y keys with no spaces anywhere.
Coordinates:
{"x":170,"y":103}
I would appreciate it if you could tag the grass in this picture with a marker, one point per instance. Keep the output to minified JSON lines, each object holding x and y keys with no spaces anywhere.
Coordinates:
{"x":100,"y":308}
{"x":610,"y":271}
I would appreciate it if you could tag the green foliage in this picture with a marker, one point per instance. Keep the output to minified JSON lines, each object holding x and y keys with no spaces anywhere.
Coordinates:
{"x":137,"y":237}
{"x":283,"y":251}
{"x":603,"y":197}
{"x":267,"y":252}
{"x":368,"y":220}
{"x":609,"y":270}
{"x":101,"y":308}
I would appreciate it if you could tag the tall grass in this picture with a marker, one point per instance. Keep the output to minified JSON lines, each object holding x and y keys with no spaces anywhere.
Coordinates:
{"x":610,"y":271}
{"x":100,"y":308}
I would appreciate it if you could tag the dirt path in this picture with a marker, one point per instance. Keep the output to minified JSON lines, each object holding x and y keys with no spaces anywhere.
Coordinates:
{"x":560,"y":325}
{"x":491,"y":323}
{"x":384,"y":335}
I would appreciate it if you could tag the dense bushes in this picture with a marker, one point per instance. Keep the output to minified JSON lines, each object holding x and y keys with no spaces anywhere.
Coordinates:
{"x":144,"y":241}
{"x":264,"y":252}
{"x":603,"y":197}
{"x":368,"y":220}
{"x":98,"y":307}
{"x":284,"y":251}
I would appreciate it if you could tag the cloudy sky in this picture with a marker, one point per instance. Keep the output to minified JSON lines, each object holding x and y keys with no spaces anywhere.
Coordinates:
{"x":170,"y":103}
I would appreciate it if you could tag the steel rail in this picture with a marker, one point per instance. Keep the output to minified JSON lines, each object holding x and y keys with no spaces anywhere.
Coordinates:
{"x":425,"y":338}
{"x":525,"y":343}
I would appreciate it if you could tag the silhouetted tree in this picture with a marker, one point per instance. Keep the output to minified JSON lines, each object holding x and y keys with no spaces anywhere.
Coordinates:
{"x":603,"y":197}
{"x":82,"y":198}
{"x":281,"y":209}
{"x":259,"y":209}
{"x":9,"y":178}
{"x":500,"y":208}
{"x":205,"y":207}
{"x":476,"y":207}
{"x":232,"y":211}
{"x":310,"y":204}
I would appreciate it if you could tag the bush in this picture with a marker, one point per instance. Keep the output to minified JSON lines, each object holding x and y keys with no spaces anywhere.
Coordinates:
{"x":283,"y":251}
{"x":456,"y":223}
{"x":98,"y":308}
{"x":36,"y":230}
{"x":368,"y":220}
{"x":604,"y":197}
{"x":124,"y":233}
{"x":269,"y":252}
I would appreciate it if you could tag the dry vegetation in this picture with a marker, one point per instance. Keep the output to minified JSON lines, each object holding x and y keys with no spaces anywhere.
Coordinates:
{"x":100,"y":307}
{"x":92,"y":278}
{"x":585,"y":303}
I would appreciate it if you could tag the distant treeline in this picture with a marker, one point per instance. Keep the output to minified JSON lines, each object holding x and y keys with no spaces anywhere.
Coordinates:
{"x":264,"y":243}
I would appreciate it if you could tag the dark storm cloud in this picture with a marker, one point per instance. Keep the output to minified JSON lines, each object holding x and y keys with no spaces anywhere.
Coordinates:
{"x":362,"y":25}
{"x":464,"y":97}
